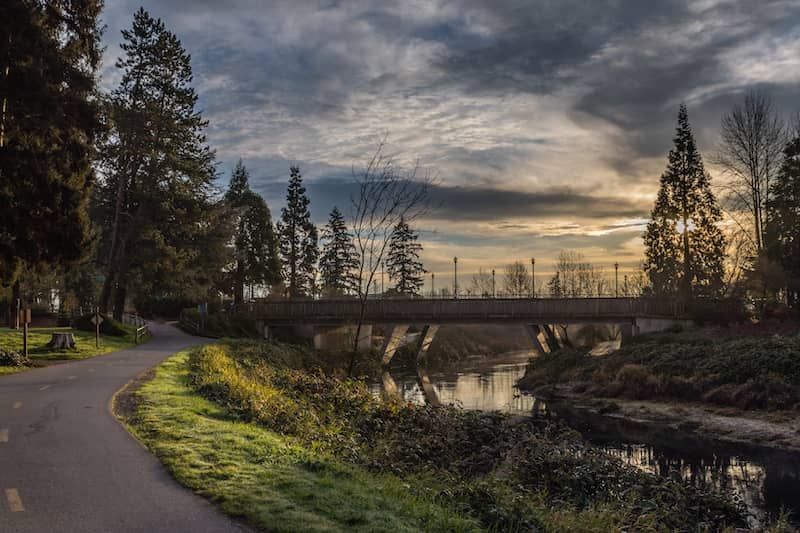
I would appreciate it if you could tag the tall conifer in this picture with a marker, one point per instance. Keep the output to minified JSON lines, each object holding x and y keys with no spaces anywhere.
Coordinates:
{"x":783,"y":230}
{"x":255,"y":243}
{"x":156,"y":202}
{"x":684,"y":246}
{"x":403,"y":262}
{"x":297,"y":239}
{"x":339,"y":261}
{"x":49,"y":121}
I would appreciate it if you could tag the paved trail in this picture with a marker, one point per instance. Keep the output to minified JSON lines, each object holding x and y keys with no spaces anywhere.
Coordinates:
{"x":67,"y":465}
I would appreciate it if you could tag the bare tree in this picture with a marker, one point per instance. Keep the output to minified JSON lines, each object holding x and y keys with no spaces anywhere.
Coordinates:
{"x":638,"y":282}
{"x":481,"y":283}
{"x":516,"y":280}
{"x":577,"y":277}
{"x":753,"y":138}
{"x":385,"y":194}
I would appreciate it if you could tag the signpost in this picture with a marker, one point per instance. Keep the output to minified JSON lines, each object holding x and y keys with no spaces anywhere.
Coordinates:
{"x":97,"y":320}
{"x":24,"y":317}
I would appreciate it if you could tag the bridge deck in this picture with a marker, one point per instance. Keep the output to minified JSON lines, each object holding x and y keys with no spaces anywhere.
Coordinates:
{"x":440,"y":311}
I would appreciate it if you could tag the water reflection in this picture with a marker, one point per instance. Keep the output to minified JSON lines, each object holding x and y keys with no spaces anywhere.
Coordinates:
{"x":766,"y":481}
{"x":480,"y":383}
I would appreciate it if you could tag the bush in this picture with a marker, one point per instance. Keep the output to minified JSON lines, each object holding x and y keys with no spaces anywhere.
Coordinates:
{"x":510,"y":474}
{"x":13,"y":358}
{"x":233,"y":325}
{"x":747,"y":372}
{"x":109,"y":326}
{"x":165,"y":307}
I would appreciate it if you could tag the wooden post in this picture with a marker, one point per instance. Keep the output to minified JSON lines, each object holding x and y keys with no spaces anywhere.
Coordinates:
{"x":25,"y":319}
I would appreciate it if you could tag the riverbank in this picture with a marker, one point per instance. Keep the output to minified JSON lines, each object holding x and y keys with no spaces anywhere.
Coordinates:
{"x":474,"y":470}
{"x":735,"y":388}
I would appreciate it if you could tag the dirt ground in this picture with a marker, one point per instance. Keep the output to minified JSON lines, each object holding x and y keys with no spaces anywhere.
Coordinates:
{"x":773,"y":429}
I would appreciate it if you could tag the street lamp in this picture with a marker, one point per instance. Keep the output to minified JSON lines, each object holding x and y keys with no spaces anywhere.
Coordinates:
{"x":616,"y":280}
{"x":433,"y":285}
{"x":494,"y":294}
{"x":533,"y":277}
{"x":455,"y":278}
{"x":383,"y":268}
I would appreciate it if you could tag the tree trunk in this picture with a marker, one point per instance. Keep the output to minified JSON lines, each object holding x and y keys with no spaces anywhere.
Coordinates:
{"x":119,"y":300}
{"x":238,"y":289}
{"x":16,"y":294}
{"x":62,"y":341}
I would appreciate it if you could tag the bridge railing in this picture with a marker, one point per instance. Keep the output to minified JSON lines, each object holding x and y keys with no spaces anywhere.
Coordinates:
{"x":433,"y":310}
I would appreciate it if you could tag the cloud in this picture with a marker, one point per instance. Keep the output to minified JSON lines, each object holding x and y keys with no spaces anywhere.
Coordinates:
{"x":547,"y":122}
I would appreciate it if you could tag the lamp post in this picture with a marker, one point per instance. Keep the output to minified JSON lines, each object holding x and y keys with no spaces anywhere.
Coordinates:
{"x":533,"y":277}
{"x":455,"y":278}
{"x":616,"y":280}
{"x":433,"y":285}
{"x":383,"y":268}
{"x":494,"y":294}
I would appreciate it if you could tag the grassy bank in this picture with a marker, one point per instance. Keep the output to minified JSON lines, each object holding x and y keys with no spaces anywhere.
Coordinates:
{"x":40,"y":354}
{"x":748,"y":372}
{"x":265,"y":477}
{"x":257,"y":428}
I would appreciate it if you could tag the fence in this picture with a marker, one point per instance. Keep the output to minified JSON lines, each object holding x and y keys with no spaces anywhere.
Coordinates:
{"x":464,"y":310}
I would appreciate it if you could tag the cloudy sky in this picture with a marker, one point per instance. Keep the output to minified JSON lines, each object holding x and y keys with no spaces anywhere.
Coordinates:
{"x":547,"y":123}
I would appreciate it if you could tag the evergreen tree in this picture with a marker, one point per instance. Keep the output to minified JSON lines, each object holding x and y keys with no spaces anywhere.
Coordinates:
{"x":297,"y":239}
{"x":684,"y":246}
{"x":403,"y":262}
{"x":156,"y":203}
{"x":49,"y":122}
{"x":339,"y":261}
{"x":783,"y":233}
{"x":255,"y":243}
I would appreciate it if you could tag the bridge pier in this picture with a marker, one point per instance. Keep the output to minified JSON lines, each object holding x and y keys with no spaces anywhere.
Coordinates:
{"x":426,"y":339}
{"x":395,"y":335}
{"x":538,"y":338}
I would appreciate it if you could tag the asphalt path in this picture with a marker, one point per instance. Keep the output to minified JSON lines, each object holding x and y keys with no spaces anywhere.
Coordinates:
{"x":66,"y":464}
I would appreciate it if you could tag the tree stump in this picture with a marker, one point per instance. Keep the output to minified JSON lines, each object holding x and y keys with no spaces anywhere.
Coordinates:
{"x":62,"y":341}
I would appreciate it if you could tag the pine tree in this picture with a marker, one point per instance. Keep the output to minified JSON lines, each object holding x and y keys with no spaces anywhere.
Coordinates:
{"x":783,"y":235}
{"x":49,"y":122}
{"x":403,"y":262}
{"x":684,"y":245}
{"x":297,"y":238}
{"x":339,"y":261}
{"x":156,"y":203}
{"x":255,"y":243}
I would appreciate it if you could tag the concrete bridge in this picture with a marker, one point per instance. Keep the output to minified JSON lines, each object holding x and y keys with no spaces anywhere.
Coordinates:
{"x":326,"y":319}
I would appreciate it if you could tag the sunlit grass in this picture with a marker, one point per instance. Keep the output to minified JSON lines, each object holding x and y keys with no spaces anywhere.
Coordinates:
{"x":11,"y":339}
{"x":264,"y":477}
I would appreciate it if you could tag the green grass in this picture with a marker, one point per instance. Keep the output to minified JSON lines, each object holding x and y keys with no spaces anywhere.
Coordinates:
{"x":11,"y":339}
{"x":269,"y":479}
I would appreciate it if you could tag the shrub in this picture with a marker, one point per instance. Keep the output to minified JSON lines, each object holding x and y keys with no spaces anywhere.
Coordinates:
{"x":164,"y":307}
{"x":109,"y":326}
{"x":233,"y":325}
{"x":509,"y":473}
{"x":13,"y":358}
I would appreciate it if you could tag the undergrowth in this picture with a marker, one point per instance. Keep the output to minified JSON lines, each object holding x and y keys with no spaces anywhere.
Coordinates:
{"x":746,"y":372}
{"x":506,"y":472}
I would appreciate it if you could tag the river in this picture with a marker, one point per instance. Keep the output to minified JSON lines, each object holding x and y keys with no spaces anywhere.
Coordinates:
{"x":765,"y":480}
